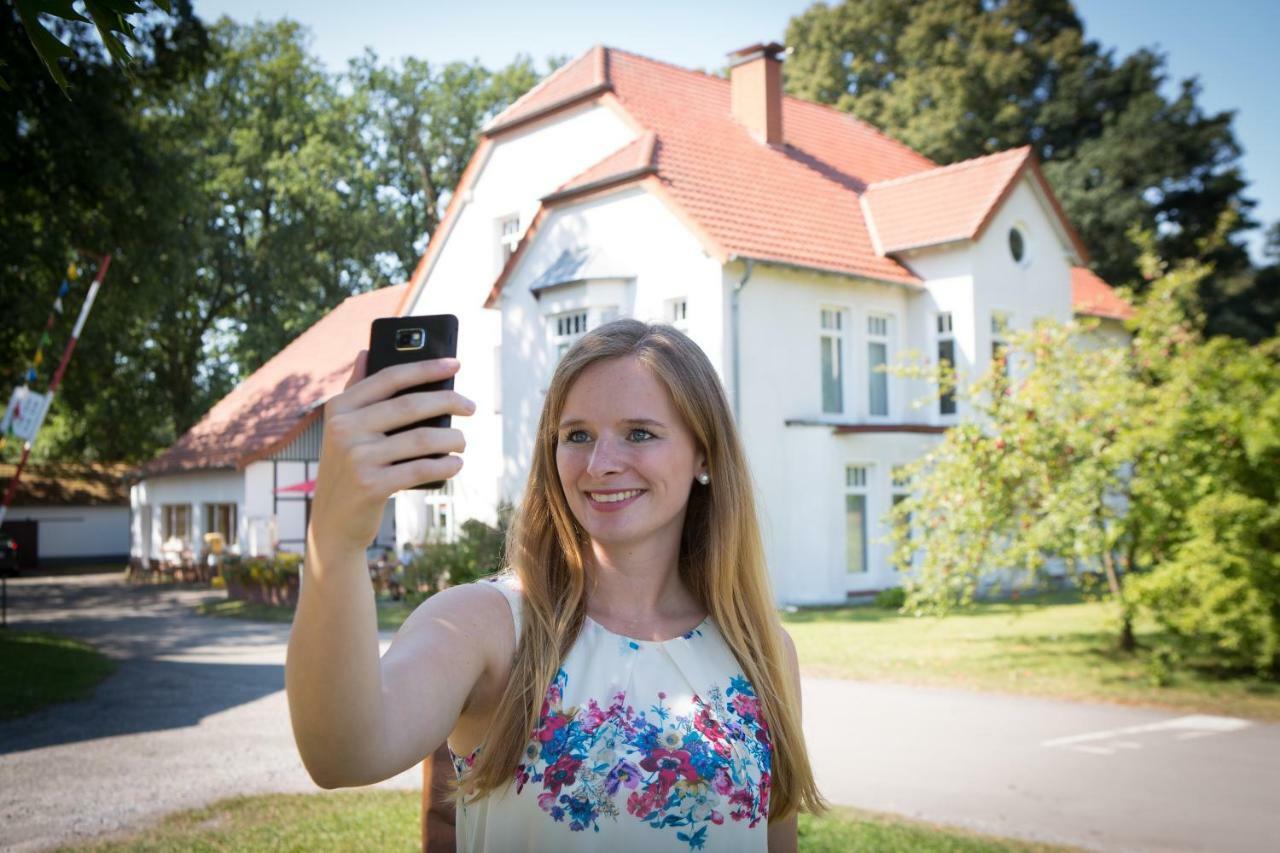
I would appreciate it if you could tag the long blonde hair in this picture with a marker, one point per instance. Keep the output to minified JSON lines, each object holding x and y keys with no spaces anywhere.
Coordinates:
{"x":721,"y":562}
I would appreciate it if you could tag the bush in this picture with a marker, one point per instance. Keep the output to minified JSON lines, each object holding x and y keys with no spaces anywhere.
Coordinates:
{"x":892,"y":598}
{"x":1218,"y":598}
{"x":278,"y":571}
{"x":479,"y":551}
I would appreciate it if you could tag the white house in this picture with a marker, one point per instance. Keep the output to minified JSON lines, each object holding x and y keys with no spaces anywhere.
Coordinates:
{"x":246,"y":469}
{"x":798,"y":246}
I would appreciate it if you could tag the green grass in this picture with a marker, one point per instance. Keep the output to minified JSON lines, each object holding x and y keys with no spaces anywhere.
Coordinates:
{"x":38,"y":668}
{"x":1053,"y":645}
{"x":391,"y":614}
{"x":391,"y":820}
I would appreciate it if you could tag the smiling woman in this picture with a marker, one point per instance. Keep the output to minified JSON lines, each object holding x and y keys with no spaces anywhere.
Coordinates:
{"x":625,"y":682}
{"x":650,"y":667}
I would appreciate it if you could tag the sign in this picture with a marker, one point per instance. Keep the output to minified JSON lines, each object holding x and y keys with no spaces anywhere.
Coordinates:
{"x":26,"y":413}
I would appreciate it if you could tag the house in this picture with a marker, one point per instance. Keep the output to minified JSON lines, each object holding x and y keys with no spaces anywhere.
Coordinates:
{"x":247,"y":468}
{"x":799,"y":246}
{"x":67,"y":514}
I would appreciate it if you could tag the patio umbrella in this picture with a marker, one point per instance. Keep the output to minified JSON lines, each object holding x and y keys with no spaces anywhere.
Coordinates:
{"x":306,"y":487}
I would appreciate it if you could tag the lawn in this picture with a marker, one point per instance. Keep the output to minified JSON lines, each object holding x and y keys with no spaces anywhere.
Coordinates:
{"x":391,"y":614}
{"x":38,"y":668}
{"x":1055,"y":645}
{"x":379,"y":819}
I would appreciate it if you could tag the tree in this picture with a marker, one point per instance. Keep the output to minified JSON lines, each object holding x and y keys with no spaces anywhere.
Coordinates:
{"x":421,"y":125}
{"x":76,"y":180}
{"x":1137,"y":464}
{"x":109,"y":17}
{"x":961,"y":78}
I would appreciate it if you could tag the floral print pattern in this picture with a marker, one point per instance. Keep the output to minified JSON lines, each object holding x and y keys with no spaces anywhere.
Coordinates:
{"x":682,"y":772}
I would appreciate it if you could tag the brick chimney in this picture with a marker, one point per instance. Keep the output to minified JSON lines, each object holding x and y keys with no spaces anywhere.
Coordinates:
{"x":755,"y":81}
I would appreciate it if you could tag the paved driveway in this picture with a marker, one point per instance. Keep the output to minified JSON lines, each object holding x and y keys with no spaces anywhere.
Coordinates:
{"x":197,"y":712}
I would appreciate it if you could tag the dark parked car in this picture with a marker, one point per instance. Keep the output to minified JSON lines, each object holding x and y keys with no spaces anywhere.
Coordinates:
{"x":8,"y":556}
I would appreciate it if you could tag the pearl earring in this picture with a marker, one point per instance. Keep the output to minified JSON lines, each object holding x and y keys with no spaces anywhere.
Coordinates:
{"x":704,"y":478}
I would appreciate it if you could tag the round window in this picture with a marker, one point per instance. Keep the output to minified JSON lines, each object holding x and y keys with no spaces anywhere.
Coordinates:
{"x":1017,"y":246}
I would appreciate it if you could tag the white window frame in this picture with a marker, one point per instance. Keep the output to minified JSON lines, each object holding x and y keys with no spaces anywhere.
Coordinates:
{"x":565,"y":328}
{"x":210,"y":518}
{"x":836,"y":333}
{"x":169,"y":517}
{"x":857,"y":482}
{"x":900,"y":489}
{"x":508,"y":228}
{"x":1001,"y":325}
{"x":944,"y":330}
{"x":676,"y":312}
{"x":883,"y":324}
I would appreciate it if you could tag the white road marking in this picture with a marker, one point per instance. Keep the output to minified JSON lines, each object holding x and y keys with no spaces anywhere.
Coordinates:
{"x":1187,"y":728}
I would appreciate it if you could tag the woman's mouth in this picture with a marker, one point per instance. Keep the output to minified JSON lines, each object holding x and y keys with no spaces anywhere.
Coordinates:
{"x":615,"y":501}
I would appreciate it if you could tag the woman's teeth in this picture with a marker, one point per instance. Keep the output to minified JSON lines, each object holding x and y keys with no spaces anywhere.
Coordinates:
{"x":614,"y":498}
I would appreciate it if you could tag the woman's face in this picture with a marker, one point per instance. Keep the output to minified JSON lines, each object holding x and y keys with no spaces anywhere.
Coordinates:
{"x":620,"y":432}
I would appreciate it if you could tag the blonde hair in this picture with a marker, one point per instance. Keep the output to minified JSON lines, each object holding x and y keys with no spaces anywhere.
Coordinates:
{"x":721,"y":562}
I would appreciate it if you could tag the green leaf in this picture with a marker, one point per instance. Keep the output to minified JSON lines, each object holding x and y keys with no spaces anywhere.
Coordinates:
{"x":47,"y":47}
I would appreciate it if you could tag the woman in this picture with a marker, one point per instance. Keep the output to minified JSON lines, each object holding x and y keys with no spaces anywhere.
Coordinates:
{"x":631,"y":688}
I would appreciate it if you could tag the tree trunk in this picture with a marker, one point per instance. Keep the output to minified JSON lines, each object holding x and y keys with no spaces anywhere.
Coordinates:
{"x":1127,"y":641}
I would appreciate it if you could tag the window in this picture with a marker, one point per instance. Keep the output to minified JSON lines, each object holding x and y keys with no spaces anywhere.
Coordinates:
{"x":946,"y":353}
{"x":221,"y":518}
{"x":567,"y":328}
{"x":678,"y":312}
{"x":509,"y":236}
{"x":855,"y":519}
{"x":1000,"y":321}
{"x":901,"y":491}
{"x":832,"y":344}
{"x":877,"y":357}
{"x":175,"y":521}
{"x":1017,"y":245}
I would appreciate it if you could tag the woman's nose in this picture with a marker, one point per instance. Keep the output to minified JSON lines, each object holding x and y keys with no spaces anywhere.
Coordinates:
{"x":606,"y":456}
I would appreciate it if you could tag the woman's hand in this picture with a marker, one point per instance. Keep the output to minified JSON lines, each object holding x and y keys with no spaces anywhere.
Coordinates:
{"x":359,"y":463}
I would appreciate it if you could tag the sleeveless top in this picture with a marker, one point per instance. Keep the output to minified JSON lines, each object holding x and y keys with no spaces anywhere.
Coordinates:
{"x":640,"y":745}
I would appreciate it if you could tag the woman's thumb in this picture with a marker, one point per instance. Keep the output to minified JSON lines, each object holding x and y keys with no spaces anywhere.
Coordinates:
{"x":357,"y":368}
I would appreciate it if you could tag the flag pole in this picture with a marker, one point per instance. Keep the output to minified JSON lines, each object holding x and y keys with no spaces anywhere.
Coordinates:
{"x":57,"y":379}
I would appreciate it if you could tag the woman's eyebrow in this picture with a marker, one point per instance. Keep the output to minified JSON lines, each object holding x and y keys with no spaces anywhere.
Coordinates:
{"x":641,"y":421}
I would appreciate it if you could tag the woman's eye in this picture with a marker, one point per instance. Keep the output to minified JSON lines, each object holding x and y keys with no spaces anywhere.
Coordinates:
{"x":570,"y":440}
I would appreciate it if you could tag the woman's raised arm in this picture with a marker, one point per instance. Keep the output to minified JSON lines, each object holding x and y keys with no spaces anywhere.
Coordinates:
{"x":358,"y":719}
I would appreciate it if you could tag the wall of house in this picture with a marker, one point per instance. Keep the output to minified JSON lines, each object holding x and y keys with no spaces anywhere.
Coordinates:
{"x":1038,"y":286}
{"x":265,"y":521}
{"x":799,"y":469}
{"x":652,"y":258}
{"x":75,"y":534}
{"x":521,"y":167}
{"x":193,"y":490}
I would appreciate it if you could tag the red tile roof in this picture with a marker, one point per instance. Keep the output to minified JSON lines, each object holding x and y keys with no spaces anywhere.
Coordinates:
{"x":1091,"y":295}
{"x":943,"y":204}
{"x":281,"y":399}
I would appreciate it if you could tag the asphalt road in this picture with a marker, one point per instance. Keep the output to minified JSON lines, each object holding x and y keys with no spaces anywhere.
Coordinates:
{"x":197,"y":712}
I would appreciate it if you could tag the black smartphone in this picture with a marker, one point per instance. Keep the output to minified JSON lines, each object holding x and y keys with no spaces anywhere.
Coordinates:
{"x":396,"y":340}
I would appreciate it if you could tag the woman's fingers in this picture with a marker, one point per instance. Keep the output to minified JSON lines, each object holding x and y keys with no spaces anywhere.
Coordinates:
{"x":406,"y":475}
{"x":387,"y":415}
{"x":367,"y":390}
{"x":415,"y":442}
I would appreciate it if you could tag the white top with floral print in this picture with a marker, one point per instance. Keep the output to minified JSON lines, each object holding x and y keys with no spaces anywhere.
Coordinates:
{"x":641,"y":745}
